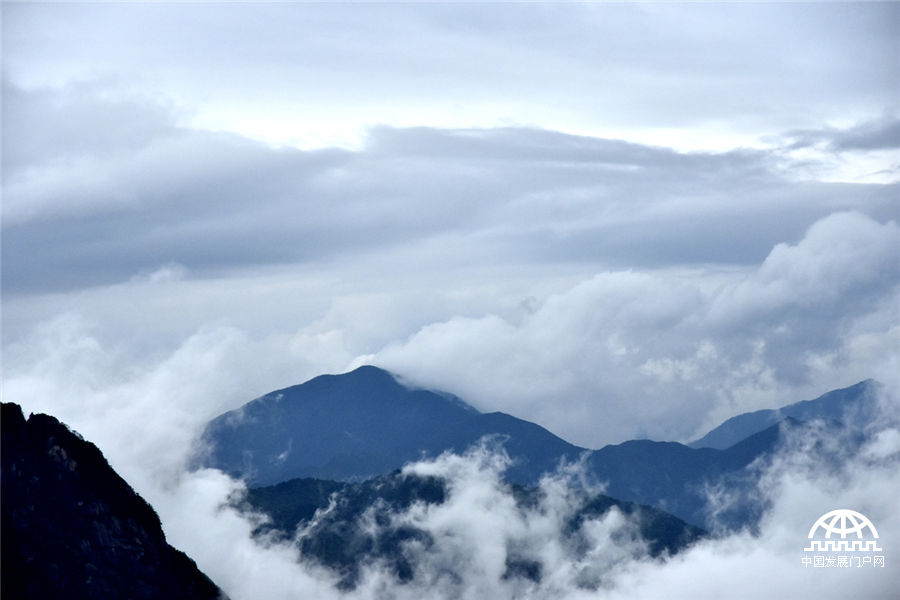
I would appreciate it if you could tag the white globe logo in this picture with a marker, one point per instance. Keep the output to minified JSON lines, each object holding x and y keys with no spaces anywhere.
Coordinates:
{"x":843,"y":522}
{"x":838,"y":525}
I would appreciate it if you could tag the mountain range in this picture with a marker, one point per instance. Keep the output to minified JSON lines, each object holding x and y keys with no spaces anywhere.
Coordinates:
{"x":322,"y":461}
{"x":854,"y":404}
{"x":366,"y":423}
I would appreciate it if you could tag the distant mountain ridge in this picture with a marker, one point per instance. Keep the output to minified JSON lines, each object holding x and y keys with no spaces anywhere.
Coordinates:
{"x":676,"y":478}
{"x":363,"y":424}
{"x":853,"y":403}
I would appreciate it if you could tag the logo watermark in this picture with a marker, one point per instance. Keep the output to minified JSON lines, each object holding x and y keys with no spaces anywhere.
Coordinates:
{"x":843,"y":539}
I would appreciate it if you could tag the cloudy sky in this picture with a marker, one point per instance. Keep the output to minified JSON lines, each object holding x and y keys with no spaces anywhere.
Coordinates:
{"x":617,"y":220}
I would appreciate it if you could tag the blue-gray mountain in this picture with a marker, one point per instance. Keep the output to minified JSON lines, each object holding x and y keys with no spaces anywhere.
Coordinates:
{"x":855,"y":404}
{"x":365,"y":423}
{"x":362,"y":424}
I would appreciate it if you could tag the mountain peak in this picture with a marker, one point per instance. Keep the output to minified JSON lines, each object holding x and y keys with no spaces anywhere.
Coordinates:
{"x":853,"y":402}
{"x":368,"y":373}
{"x":360,"y":424}
{"x":362,"y":382}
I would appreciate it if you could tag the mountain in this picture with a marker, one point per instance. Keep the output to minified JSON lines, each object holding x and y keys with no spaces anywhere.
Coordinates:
{"x":676,"y":478}
{"x":358,"y":528}
{"x":72,"y":528}
{"x":362,"y":424}
{"x":855,"y":403}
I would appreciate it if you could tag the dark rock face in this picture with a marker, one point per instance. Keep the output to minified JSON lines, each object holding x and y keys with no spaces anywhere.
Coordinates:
{"x":72,"y":528}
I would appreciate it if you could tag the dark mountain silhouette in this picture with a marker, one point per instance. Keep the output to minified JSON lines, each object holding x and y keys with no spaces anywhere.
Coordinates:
{"x":72,"y":528}
{"x":342,"y":539}
{"x":362,"y":424}
{"x":852,"y":404}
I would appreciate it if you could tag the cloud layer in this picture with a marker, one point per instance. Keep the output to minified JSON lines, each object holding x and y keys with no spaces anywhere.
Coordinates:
{"x":82,"y":209}
{"x":312,"y":73}
{"x":552,"y":276}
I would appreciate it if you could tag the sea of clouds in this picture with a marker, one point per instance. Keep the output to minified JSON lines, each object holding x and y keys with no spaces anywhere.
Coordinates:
{"x":145,"y":416}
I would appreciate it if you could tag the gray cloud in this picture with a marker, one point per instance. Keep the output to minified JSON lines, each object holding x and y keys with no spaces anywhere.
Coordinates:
{"x":47,"y":126}
{"x":661,"y":353}
{"x":748,"y":68}
{"x":879,"y":134}
{"x":553,"y":258}
{"x":81,"y":213}
{"x":550,"y":253}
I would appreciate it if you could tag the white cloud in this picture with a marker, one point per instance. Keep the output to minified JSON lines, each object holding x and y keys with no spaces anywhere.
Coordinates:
{"x":659,"y":353}
{"x":840,"y":258}
{"x":655,"y":353}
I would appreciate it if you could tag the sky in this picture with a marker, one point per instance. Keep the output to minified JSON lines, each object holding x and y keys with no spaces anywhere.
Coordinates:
{"x":616,"y":220}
